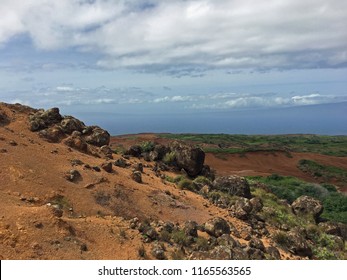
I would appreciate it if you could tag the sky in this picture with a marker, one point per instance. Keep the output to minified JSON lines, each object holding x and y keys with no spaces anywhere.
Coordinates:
{"x":93,"y":58}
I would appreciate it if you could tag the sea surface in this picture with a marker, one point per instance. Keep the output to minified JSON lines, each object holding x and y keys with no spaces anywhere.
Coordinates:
{"x":327,"y":119}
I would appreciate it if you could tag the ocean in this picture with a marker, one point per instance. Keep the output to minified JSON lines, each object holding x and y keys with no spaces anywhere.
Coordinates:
{"x":324,"y":119}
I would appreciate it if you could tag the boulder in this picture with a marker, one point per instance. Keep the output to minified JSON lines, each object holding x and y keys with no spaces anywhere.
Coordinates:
{"x":136,"y":176}
{"x":254,"y":253}
{"x":334,"y":228}
{"x":52,"y":134}
{"x":297,"y":244}
{"x":158,"y":252}
{"x":217,"y":227}
{"x":227,"y":240}
{"x":220,"y":253}
{"x":134,"y":151}
{"x":77,"y":143}
{"x":158,"y":152}
{"x":4,"y":120}
{"x":191,"y":228}
{"x":257,"y":244}
{"x":70,"y":124}
{"x":233,"y":185}
{"x":208,"y":172}
{"x":121,"y":163}
{"x":306,"y":205}
{"x":106,"y":152}
{"x":73,"y":175}
{"x":273,"y":253}
{"x":241,"y":209}
{"x":188,"y":158}
{"x":138,"y":167}
{"x":239,"y":253}
{"x":107,"y":166}
{"x":43,"y":119}
{"x":96,"y":136}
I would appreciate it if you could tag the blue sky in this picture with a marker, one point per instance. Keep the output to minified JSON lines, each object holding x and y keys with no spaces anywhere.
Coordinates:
{"x":178,"y":56}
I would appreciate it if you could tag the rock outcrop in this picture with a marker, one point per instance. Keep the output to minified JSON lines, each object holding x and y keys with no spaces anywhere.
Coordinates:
{"x":233,"y":185}
{"x":189,"y":158}
{"x":53,"y":127}
{"x":217,"y":227}
{"x":306,"y":205}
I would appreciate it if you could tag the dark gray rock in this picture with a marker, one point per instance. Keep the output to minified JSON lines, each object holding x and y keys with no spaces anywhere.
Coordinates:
{"x":138,"y":167}
{"x":158,"y":252}
{"x":43,"y":119}
{"x":134,"y":151}
{"x":73,"y":175}
{"x":121,"y":163}
{"x":306,"y":205}
{"x":273,"y":253}
{"x":191,"y":228}
{"x":96,"y":136}
{"x":107,"y":166}
{"x":256,"y":243}
{"x":233,"y":185}
{"x":241,"y":209}
{"x":334,"y":228}
{"x":217,"y":227}
{"x":189,"y":158}
{"x":77,"y":143}
{"x":158,"y":152}
{"x":70,"y":124}
{"x":52,"y":134}
{"x":106,"y":152}
{"x":221,"y":253}
{"x":297,"y":244}
{"x":137,"y":176}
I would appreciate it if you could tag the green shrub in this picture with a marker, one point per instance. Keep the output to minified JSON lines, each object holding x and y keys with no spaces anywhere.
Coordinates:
{"x":147,"y":146}
{"x":281,"y":238}
{"x":186,"y":184}
{"x":202,"y":180}
{"x":170,"y":158}
{"x":202,"y":244}
{"x":165,"y":236}
{"x":179,"y":237}
{"x":290,"y":188}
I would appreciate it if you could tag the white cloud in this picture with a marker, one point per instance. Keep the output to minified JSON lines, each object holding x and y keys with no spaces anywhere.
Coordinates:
{"x":176,"y":98}
{"x":65,"y":88}
{"x":160,"y":35}
{"x":268,"y":101}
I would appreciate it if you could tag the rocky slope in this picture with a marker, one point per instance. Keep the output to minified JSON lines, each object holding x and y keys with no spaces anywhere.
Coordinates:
{"x":66,"y":194}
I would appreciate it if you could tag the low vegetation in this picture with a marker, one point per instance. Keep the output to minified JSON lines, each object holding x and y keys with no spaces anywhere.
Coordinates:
{"x":231,"y":144}
{"x":326,"y":172}
{"x":290,"y":188}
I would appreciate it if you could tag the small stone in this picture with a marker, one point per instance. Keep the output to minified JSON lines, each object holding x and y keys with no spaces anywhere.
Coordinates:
{"x":158,"y":252}
{"x":136,"y":176}
{"x":107,"y":166}
{"x":13,"y":143}
{"x":57,"y":212}
{"x":121,"y":163}
{"x":38,"y":225}
{"x":84,"y":247}
{"x":96,"y":168}
{"x":138,"y":167}
{"x":73,"y":175}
